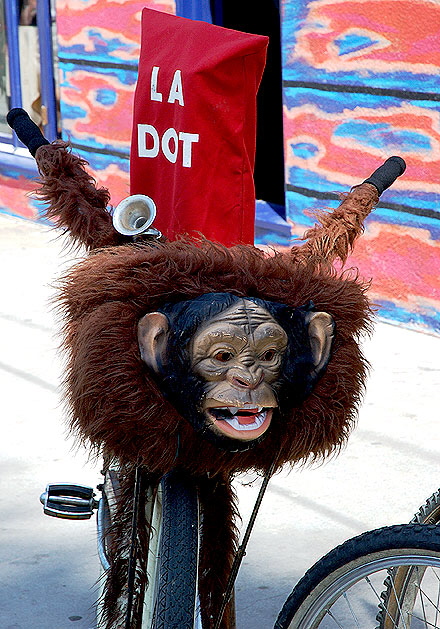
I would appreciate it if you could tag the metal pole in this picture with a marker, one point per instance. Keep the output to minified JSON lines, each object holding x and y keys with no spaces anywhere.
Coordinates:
{"x":133,"y":548}
{"x":47,"y":78}
{"x":11,"y":19}
{"x":242,"y":549}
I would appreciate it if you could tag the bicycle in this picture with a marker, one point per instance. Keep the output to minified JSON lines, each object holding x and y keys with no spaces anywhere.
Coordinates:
{"x":154,"y":511}
{"x":402,"y":555}
{"x":392,"y":574}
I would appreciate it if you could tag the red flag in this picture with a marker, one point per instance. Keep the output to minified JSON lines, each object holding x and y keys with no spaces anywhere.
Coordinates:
{"x":194,"y":126}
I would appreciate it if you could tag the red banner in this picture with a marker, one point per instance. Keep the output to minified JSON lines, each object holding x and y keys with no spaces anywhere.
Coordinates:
{"x":194,"y":126}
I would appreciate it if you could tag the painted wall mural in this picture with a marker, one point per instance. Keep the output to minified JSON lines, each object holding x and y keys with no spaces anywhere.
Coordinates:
{"x":98,"y":52}
{"x":13,"y":186}
{"x":361,"y":83}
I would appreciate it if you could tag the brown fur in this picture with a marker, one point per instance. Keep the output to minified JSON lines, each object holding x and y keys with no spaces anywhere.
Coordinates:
{"x":219,"y":543}
{"x":114,"y":403}
{"x":75,"y":204}
{"x":335,"y":235}
{"x":118,"y":545}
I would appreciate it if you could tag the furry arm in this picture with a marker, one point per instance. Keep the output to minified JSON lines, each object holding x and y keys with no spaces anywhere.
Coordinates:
{"x":335,"y":235}
{"x":74,"y":202}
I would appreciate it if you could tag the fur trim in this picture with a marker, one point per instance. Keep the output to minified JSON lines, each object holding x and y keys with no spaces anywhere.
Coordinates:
{"x":118,"y":544}
{"x":75,"y":203}
{"x":335,"y":235}
{"x":218,"y":546}
{"x":115,"y":402}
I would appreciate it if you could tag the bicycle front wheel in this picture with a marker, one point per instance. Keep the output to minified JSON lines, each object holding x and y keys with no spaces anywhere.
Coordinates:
{"x":171,"y":596}
{"x":343,"y":589}
{"x":167,"y":598}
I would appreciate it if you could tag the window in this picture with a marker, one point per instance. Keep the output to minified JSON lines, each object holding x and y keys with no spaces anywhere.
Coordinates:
{"x":26,"y":70}
{"x":263,"y":18}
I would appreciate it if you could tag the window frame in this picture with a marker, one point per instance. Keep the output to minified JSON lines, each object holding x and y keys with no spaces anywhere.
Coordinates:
{"x":194,"y":9}
{"x":12,"y":151}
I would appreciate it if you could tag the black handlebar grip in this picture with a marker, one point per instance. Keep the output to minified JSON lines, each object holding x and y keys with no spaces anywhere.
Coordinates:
{"x":385,"y":175}
{"x":26,"y":130}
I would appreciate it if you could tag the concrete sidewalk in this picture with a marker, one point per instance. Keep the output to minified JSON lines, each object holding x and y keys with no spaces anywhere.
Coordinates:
{"x":48,"y":567}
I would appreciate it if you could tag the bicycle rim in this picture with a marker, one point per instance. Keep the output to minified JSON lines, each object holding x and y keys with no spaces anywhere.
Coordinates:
{"x":343,"y":590}
{"x":353,"y":600}
{"x":402,"y":584}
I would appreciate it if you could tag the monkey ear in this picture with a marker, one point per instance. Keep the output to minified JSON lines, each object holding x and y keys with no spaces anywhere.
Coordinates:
{"x":153,"y":332}
{"x":321,"y":331}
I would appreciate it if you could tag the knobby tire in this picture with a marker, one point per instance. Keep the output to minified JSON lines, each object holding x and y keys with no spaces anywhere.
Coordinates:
{"x":322,"y":598}
{"x":176,"y":598}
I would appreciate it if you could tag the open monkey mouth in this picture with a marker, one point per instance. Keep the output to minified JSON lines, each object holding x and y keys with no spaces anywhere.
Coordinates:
{"x":240,"y":423}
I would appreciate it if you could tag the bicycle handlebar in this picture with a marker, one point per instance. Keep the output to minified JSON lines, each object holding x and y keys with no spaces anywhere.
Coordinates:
{"x":31,"y":136}
{"x":385,"y":175}
{"x":26,"y":130}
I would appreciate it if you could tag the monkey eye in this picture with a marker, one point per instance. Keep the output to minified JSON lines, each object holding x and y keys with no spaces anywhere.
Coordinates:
{"x":223,"y":356}
{"x":268,"y":355}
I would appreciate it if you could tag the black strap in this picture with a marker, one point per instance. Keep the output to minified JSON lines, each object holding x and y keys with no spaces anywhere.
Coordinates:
{"x":133,"y":548}
{"x":242,"y":548}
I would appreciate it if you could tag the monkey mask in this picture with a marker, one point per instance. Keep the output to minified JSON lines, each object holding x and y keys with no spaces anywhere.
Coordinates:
{"x":186,"y":353}
{"x":224,"y":361}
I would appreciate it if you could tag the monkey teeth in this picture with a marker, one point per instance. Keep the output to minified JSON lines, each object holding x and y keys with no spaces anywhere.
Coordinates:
{"x":258,"y":421}
{"x":245,"y":424}
{"x":234,"y":410}
{"x":241,"y":419}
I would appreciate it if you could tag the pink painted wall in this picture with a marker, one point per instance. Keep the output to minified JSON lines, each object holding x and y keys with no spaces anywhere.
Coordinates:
{"x":361,"y":82}
{"x":15,"y":190}
{"x":99,"y":44}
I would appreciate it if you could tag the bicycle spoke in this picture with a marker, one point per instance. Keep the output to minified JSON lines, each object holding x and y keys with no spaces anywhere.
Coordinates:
{"x":435,"y":574}
{"x":351,"y":609}
{"x":398,"y":604}
{"x":421,"y":595}
{"x":390,"y":617}
{"x":424,"y":594}
{"x":405,"y":619}
{"x":423,"y":598}
{"x":436,"y":605}
{"x":426,"y":622}
{"x":438,"y":599}
{"x":367,"y":579}
{"x":328,"y":611}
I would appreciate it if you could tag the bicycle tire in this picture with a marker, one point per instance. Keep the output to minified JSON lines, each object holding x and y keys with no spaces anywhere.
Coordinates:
{"x":402,"y":582}
{"x":171,"y":553}
{"x":321,"y":598}
{"x":176,"y":600}
{"x":429,"y":513}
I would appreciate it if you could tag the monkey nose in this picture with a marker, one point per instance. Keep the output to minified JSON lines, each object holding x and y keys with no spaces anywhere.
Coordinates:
{"x":246,"y":381}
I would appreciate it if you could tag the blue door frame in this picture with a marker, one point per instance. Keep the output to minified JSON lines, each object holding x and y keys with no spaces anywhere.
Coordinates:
{"x":47,"y":78}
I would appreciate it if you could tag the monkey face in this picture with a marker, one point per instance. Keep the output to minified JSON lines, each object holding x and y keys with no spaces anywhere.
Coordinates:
{"x":238,"y":354}
{"x":226,"y":363}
